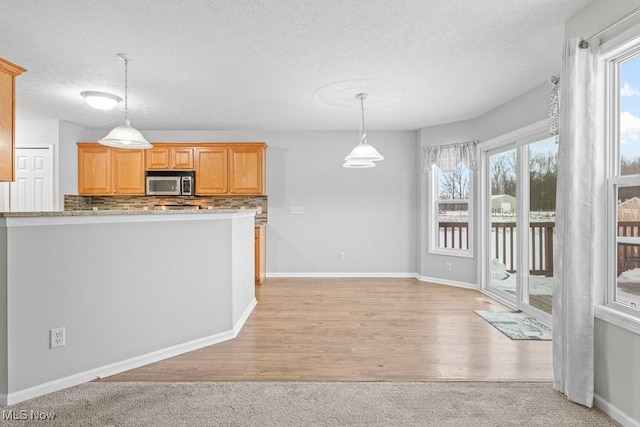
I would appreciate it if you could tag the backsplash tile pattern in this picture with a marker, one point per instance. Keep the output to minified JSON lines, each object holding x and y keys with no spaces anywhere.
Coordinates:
{"x":74,"y":202}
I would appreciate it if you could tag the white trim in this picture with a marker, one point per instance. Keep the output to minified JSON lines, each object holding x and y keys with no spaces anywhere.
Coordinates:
{"x":244,"y":317}
{"x":618,"y":318}
{"x":372,"y":275}
{"x":127,"y":364}
{"x":112,"y":217}
{"x":433,"y":220}
{"x":518,"y":135}
{"x":615,"y":413}
{"x":455,"y":283}
{"x":461,"y":253}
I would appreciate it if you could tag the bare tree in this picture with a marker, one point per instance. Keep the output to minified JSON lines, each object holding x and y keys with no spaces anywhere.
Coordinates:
{"x":454,"y":185}
{"x":503,"y":173}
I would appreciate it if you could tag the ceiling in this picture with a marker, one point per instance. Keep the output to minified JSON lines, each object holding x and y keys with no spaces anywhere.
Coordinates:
{"x":280,"y":64}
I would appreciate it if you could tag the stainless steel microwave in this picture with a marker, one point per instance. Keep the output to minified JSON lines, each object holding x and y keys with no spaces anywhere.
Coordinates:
{"x":170,"y":183}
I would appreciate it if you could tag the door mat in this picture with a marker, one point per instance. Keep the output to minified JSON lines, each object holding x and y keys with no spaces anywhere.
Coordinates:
{"x":516,"y":325}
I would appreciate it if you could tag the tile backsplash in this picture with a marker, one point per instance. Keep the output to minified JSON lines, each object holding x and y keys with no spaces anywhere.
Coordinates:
{"x":74,"y":203}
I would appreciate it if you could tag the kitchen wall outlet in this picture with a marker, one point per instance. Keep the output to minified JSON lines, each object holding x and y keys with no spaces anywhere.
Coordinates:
{"x":258,"y":210}
{"x":295,"y":210}
{"x":56,"y":337}
{"x":447,"y":266}
{"x":340,"y":256}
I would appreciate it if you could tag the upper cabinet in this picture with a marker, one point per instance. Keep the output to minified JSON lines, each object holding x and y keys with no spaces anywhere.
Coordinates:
{"x":246,"y":169}
{"x":108,"y":171}
{"x":164,"y":156}
{"x":220,"y":168}
{"x":212,"y":170}
{"x":8,"y":74}
{"x":231,"y":169}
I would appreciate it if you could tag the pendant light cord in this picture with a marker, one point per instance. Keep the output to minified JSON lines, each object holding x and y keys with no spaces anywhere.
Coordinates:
{"x":126,"y":89}
{"x":363,"y":132}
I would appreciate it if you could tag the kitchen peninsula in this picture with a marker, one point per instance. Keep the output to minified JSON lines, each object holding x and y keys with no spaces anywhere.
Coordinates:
{"x":128,"y":287}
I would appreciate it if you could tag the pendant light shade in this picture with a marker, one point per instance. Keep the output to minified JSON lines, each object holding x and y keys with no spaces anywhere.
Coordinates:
{"x":125,"y":136}
{"x":357,"y":164}
{"x":363,"y":155}
{"x":364,"y":151}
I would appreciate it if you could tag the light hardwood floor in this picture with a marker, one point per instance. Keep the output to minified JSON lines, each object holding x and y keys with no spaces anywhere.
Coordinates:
{"x":360,"y":330}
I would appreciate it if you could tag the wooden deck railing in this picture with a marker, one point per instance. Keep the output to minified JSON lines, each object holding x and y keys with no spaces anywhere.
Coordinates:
{"x":628,"y":254}
{"x":456,"y":234}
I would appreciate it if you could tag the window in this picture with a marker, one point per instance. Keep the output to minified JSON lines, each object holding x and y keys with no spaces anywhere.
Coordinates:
{"x":451,"y":205}
{"x":623,"y":82}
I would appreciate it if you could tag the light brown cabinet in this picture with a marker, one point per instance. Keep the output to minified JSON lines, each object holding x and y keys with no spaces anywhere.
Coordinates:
{"x":212,"y":167}
{"x":260,"y":253}
{"x":108,"y":171}
{"x":8,"y":74}
{"x":163,"y":156}
{"x":246,"y":170}
{"x":233,"y":169}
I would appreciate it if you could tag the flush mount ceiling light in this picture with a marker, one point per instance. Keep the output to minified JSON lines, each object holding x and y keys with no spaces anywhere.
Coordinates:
{"x":125,"y":136}
{"x":101,"y":100}
{"x":363,"y":155}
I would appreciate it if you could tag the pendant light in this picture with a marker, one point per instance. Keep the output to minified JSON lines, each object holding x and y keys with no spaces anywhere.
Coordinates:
{"x":363,"y":155}
{"x":125,"y":136}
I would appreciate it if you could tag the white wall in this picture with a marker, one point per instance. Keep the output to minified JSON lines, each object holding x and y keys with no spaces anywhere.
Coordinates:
{"x":524,"y":110}
{"x":111,"y":290}
{"x":369,"y":214}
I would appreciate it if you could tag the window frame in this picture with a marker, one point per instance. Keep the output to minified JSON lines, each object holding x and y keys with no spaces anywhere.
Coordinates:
{"x":612,"y":55}
{"x":434,"y":222}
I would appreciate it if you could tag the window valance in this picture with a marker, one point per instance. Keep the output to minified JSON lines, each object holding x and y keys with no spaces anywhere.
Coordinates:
{"x":447,"y":157}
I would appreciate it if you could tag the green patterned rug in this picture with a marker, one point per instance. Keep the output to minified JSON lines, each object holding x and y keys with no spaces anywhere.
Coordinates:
{"x":516,"y":325}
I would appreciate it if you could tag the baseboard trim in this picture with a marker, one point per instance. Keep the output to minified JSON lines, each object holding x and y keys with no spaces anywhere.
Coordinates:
{"x":614,"y":412}
{"x":338,"y":275}
{"x":125,"y":365}
{"x":245,"y":316}
{"x":448,"y":282}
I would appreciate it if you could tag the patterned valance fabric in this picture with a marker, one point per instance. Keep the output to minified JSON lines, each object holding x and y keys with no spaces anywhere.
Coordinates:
{"x":447,"y":157}
{"x":554,"y":107}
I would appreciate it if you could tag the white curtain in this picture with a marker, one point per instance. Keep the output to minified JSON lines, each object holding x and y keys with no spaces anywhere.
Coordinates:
{"x":576,"y":210}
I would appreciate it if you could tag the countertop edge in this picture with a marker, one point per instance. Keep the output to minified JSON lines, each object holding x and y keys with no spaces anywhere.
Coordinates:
{"x":112,"y":216}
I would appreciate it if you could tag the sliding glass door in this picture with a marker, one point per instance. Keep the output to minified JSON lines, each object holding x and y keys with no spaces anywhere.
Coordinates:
{"x":520,"y":181}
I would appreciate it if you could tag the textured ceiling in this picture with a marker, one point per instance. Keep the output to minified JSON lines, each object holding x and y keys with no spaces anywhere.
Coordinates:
{"x":280,"y":64}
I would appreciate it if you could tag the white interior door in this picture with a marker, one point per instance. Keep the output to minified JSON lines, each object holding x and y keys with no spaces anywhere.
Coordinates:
{"x":33,"y":188}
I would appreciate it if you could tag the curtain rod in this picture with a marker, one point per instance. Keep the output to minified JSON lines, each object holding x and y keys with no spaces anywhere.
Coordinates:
{"x":585,"y":43}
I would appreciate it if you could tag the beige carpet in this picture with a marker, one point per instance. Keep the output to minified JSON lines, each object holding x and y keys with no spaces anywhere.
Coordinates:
{"x":309,"y":404}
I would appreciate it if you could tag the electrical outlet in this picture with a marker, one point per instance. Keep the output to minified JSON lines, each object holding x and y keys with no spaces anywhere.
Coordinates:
{"x":258,"y":210}
{"x":340,"y":256}
{"x":56,"y":338}
{"x":447,"y":266}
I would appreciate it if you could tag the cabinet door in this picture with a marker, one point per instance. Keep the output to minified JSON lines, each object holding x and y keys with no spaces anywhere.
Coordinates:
{"x":94,"y":171}
{"x":246,"y":170}
{"x":128,"y":171}
{"x":8,"y":74}
{"x":211,"y":170}
{"x":157,"y":157}
{"x":6,"y":128}
{"x":181,"y":157}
